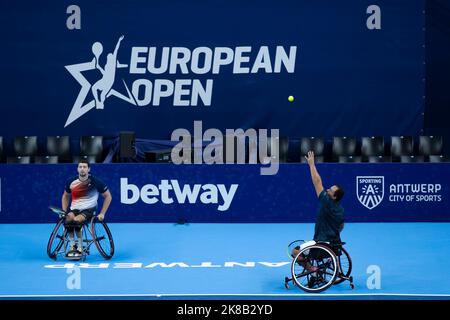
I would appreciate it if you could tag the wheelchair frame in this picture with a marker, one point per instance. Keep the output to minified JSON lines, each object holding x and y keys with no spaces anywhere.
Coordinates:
{"x":88,"y":227}
{"x":338,"y":275}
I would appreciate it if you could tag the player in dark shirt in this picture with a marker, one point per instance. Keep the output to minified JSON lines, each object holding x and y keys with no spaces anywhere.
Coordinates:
{"x":330,"y":219}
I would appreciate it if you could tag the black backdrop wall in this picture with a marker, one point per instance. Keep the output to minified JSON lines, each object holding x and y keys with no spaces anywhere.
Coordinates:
{"x":437,"y":106}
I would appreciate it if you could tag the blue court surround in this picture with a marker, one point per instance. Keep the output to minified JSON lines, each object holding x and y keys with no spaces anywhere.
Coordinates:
{"x":413,"y":259}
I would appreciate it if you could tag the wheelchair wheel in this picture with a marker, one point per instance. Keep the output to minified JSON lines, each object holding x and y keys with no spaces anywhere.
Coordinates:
{"x":57,"y":239}
{"x":102,"y":238}
{"x":293,"y":245}
{"x":345,"y":263}
{"x":323,"y":259}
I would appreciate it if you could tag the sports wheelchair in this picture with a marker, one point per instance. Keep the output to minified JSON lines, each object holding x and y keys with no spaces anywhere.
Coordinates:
{"x":316,"y":266}
{"x":93,"y":231}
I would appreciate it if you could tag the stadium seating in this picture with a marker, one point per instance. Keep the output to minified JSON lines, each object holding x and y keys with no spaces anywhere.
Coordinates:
{"x":372,"y":146}
{"x":430,"y":145}
{"x":412,"y":159}
{"x":59,"y":146}
{"x":379,"y":159}
{"x":19,"y":160}
{"x":92,"y":146}
{"x":46,"y":159}
{"x":90,"y":159}
{"x":343,"y":147}
{"x":349,"y":159}
{"x":435,"y":158}
{"x":283,"y":147}
{"x":338,"y":149}
{"x":315,"y":144}
{"x":318,"y":159}
{"x":25,"y":146}
{"x":402,"y":146}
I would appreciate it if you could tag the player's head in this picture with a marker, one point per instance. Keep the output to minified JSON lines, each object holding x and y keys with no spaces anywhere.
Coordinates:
{"x":336,"y":193}
{"x":83,"y":168}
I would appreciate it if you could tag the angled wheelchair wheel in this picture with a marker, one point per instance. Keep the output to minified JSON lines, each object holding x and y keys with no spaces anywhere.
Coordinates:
{"x":102,"y":238}
{"x":293,"y":245}
{"x":319,"y":257}
{"x":57,"y":239}
{"x":345,"y":263}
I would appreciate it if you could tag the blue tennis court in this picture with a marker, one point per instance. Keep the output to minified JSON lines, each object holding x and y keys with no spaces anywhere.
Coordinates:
{"x":213,"y":261}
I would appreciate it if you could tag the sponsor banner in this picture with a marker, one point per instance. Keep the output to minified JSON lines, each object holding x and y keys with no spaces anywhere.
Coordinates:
{"x":234,"y":193}
{"x":352,"y":67}
{"x":370,"y":190}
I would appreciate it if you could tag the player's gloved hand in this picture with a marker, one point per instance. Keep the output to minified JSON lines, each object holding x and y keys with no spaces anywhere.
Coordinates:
{"x":101,"y":217}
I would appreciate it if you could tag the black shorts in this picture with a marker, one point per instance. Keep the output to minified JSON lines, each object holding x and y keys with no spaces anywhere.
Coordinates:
{"x":320,"y":254}
{"x":87,"y":213}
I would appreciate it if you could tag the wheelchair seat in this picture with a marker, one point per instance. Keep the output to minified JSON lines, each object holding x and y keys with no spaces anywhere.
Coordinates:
{"x":307,"y":244}
{"x":332,"y":242}
{"x":75,"y":224}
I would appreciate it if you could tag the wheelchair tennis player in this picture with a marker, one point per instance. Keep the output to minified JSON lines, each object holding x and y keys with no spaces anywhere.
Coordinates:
{"x":330,"y":219}
{"x":84,"y":190}
{"x":320,"y":263}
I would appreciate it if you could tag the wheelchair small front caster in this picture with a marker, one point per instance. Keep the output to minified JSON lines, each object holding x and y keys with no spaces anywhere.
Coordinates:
{"x":352,"y":286}
{"x":286,"y":282}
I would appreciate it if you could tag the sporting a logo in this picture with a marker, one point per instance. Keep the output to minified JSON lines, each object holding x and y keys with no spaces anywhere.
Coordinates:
{"x":370,"y":190}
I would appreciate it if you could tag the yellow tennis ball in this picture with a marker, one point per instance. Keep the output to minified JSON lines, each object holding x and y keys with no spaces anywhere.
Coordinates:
{"x":291,"y":98}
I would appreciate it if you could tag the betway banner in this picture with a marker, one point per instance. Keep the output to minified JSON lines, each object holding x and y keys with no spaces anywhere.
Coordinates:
{"x":353,"y":67}
{"x":234,"y":193}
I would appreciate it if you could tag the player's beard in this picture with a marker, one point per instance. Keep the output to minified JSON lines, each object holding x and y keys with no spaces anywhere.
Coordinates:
{"x":82,"y":175}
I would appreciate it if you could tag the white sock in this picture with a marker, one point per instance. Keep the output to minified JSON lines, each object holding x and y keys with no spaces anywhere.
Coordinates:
{"x":72,"y":239}
{"x":80,"y":240}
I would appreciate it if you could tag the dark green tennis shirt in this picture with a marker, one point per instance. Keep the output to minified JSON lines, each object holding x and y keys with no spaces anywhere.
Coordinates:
{"x":329,"y":220}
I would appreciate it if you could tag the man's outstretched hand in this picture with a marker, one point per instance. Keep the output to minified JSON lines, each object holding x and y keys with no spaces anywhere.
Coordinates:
{"x":310,"y":157}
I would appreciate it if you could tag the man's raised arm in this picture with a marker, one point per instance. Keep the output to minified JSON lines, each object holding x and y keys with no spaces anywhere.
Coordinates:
{"x":316,"y":180}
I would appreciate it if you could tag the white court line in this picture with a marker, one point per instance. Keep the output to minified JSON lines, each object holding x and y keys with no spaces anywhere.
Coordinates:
{"x":228,"y":294}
